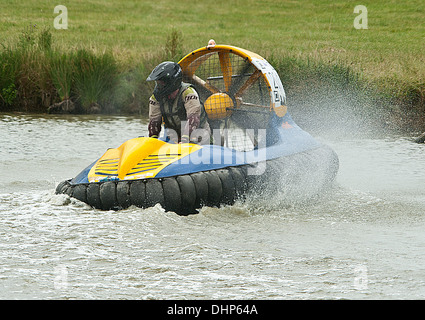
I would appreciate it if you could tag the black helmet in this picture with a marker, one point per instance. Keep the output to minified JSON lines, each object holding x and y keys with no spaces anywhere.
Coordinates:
{"x":168,"y":76}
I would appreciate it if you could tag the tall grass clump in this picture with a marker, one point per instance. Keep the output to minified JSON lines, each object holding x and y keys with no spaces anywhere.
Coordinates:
{"x":173,"y":47}
{"x":95,"y":78}
{"x":8,"y":71}
{"x":62,"y":67}
{"x":61,"y":73}
{"x":27,"y":84}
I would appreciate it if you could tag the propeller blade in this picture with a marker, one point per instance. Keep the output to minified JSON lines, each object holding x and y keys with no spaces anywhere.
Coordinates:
{"x":204,"y":84}
{"x":226,"y":69}
{"x":239,"y":78}
{"x":251,"y":80}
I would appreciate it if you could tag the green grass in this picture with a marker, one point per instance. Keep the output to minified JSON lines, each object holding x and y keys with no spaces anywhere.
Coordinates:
{"x":390,"y":54}
{"x":318,"y":29}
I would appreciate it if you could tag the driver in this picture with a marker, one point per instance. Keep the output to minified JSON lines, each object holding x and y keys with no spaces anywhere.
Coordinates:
{"x":177,"y":104}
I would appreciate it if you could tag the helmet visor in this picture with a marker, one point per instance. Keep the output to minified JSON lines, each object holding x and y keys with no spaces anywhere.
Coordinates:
{"x":160,"y":84}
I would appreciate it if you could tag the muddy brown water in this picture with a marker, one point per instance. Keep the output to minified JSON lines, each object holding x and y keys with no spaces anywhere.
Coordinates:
{"x":364,"y":239}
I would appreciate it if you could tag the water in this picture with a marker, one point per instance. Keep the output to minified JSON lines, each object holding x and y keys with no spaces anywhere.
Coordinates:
{"x":362,"y":240}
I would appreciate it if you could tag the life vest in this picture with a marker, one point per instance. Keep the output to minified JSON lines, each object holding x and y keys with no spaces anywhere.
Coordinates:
{"x":174,"y":113}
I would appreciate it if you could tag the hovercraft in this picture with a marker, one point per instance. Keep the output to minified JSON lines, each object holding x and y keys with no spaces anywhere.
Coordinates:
{"x":258,"y":148}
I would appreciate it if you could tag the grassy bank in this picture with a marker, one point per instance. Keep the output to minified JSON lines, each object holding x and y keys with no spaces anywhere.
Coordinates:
{"x":38,"y":76}
{"x":311,"y":43}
